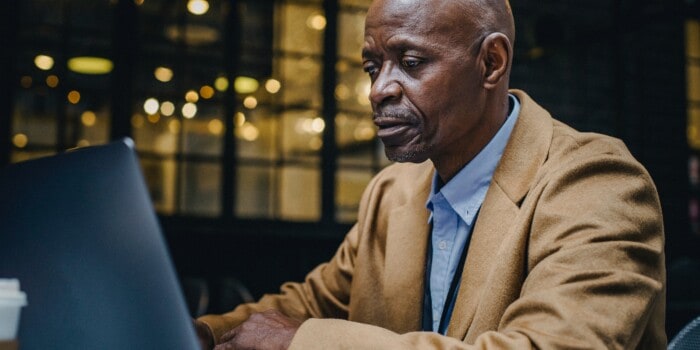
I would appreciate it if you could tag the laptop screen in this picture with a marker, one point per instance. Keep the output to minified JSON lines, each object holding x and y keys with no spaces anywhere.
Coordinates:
{"x":79,"y":231}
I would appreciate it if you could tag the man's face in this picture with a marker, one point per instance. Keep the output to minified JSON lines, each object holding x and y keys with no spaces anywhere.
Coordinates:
{"x":427,"y":94}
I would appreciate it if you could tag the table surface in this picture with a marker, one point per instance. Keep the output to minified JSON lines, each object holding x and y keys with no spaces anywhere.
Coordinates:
{"x":8,"y":345}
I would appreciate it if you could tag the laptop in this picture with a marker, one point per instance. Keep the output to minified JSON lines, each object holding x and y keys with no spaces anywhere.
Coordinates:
{"x":79,"y":232}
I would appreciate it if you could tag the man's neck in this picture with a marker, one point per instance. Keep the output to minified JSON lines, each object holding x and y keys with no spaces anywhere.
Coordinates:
{"x":447,"y":166}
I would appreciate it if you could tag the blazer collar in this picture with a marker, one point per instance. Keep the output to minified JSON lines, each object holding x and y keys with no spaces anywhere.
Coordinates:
{"x":406,"y":247}
{"x":525,"y":153}
{"x":526,"y":150}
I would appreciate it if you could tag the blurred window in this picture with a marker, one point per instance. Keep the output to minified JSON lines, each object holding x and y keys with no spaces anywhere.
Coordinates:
{"x":194,"y":81}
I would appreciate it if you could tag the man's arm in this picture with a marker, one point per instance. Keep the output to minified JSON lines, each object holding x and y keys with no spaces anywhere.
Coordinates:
{"x":324,"y":293}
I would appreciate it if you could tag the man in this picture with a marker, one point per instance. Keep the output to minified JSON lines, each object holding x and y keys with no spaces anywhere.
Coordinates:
{"x":534,"y":235}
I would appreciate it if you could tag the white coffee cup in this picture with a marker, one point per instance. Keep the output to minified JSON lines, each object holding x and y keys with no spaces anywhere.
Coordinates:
{"x":11,"y":302}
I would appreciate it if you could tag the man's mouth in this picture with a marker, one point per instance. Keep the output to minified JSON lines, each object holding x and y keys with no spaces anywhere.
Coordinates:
{"x":395,"y":131}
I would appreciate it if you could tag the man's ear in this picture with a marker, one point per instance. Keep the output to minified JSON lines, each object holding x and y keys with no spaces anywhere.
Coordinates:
{"x":496,"y":57}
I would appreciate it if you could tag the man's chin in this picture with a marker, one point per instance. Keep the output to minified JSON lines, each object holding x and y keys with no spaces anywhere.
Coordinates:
{"x":396,"y":154}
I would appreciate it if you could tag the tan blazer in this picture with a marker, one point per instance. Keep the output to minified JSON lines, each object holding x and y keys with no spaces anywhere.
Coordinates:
{"x":567,"y":253}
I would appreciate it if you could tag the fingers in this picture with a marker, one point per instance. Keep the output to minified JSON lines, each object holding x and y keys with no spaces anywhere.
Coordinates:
{"x":206,"y":338}
{"x":228,"y":336}
{"x":266,"y":330}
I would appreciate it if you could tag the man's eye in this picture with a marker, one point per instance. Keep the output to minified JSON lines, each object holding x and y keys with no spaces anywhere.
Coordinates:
{"x":410,"y":62}
{"x":370,"y":69}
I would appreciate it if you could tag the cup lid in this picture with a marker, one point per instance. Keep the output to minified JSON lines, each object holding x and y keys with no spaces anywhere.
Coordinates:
{"x":14,"y":299}
{"x":10,"y":293}
{"x":9,"y":284}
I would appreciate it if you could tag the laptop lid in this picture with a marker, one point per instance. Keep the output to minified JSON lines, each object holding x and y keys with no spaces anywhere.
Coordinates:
{"x":79,"y":231}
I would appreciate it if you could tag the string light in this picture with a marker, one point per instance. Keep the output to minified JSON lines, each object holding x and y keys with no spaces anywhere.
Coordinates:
{"x":43,"y":62}
{"x":198,"y":7}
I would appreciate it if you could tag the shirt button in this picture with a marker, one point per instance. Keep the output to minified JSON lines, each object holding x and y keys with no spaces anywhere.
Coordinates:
{"x":442,"y":245}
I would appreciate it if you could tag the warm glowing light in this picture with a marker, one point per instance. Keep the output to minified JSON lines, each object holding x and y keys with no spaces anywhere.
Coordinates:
{"x":74,"y":97}
{"x":535,"y":53}
{"x":52,"y":81}
{"x":90,"y":65}
{"x":88,"y":118}
{"x":342,"y":66}
{"x":25,"y":81}
{"x":174,"y":126}
{"x":240,"y":119}
{"x":363,"y":100}
{"x":364,"y":131}
{"x":191,"y":96}
{"x":248,"y":132}
{"x":245,"y":85}
{"x":303,"y":125}
{"x":310,"y":125}
{"x":198,"y":7}
{"x":362,"y":89}
{"x":153,"y":118}
{"x":206,"y":92}
{"x":163,"y":74}
{"x":316,"y":21}
{"x":167,"y":108}
{"x":83,"y":143}
{"x":138,"y":2}
{"x":342,"y":92}
{"x":20,"y":140}
{"x":221,"y":83}
{"x":318,"y":125}
{"x":250,"y":102}
{"x":273,"y":86}
{"x":151,"y":106}
{"x":137,"y":121}
{"x":43,"y":62}
{"x":341,"y":119}
{"x":189,"y":110}
{"x":215,"y":127}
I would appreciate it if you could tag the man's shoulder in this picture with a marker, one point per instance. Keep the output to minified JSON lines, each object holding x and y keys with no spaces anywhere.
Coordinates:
{"x":568,"y":142}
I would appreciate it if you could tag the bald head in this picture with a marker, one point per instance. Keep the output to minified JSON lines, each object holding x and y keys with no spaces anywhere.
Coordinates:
{"x":490,"y":16}
{"x":482,"y":16}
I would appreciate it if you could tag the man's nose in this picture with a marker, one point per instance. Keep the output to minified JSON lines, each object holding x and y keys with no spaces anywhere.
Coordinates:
{"x":385,"y":87}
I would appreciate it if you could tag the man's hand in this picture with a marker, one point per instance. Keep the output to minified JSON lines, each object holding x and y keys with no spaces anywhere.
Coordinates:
{"x":206,"y":339}
{"x":269,"y":330}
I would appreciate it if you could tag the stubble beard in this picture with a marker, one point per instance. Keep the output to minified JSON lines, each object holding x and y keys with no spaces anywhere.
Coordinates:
{"x":405,"y":156}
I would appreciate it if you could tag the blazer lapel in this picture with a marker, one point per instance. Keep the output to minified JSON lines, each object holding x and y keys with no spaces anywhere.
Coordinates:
{"x":526,"y":151}
{"x":405,"y":259}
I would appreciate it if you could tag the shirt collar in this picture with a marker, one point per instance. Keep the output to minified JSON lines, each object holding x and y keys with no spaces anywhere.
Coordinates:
{"x":467,"y":189}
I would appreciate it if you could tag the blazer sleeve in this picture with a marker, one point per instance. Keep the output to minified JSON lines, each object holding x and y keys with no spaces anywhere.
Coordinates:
{"x":324,"y":293}
{"x":595,"y":262}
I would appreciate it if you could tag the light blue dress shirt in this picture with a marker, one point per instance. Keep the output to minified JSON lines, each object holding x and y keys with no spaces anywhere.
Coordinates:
{"x":453,"y":210}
